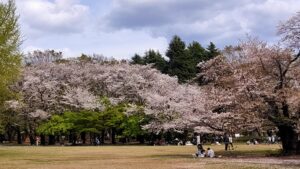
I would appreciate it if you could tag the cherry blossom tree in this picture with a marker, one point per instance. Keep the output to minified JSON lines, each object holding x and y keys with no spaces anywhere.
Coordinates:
{"x":54,"y":88}
{"x":256,"y":84}
{"x":290,"y":31}
{"x":38,"y":57}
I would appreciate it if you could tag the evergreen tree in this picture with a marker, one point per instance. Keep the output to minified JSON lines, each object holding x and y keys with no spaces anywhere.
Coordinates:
{"x":10,"y":57}
{"x":180,"y":61}
{"x":137,"y":59}
{"x":197,"y":52}
{"x":151,"y":57}
{"x":155,"y":58}
{"x":212,"y":51}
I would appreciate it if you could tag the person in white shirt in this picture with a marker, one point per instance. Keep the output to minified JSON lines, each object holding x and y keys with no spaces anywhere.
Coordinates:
{"x":198,"y":139}
{"x":273,"y":139}
{"x":230,"y":142}
{"x":210,"y":153}
{"x":202,"y":153}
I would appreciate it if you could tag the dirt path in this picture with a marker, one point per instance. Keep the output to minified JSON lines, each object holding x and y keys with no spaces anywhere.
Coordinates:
{"x":292,"y":160}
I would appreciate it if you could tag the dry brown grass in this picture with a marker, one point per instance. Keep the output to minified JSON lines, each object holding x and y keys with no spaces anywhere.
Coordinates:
{"x":140,"y":157}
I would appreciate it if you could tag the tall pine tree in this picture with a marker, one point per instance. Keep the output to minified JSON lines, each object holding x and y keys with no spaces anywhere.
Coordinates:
{"x":151,"y":57}
{"x":155,"y":58}
{"x":212,"y":51}
{"x":137,"y":59}
{"x":180,"y":61}
{"x":198,"y":53}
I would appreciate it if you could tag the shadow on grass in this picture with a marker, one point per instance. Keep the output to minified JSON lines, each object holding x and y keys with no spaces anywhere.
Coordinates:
{"x":255,"y":153}
{"x":228,"y":154}
{"x":178,"y":156}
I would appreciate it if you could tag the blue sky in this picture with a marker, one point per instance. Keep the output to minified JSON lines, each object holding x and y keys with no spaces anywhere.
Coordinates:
{"x":120,"y":28}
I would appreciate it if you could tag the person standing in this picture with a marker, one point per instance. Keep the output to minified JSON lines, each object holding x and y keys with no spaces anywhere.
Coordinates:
{"x":97,"y":141}
{"x":269,"y":140}
{"x":198,"y":141}
{"x":37,"y":140}
{"x":230,"y":142}
{"x":273,"y":139}
{"x":226,"y":142}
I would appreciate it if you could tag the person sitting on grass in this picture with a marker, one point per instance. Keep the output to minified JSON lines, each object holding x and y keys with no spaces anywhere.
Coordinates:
{"x":210,"y":153}
{"x":200,"y":151}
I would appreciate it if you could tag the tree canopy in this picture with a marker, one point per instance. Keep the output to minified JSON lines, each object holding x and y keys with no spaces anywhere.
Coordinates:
{"x":10,"y":41}
{"x":256,"y":84}
{"x":182,"y":60}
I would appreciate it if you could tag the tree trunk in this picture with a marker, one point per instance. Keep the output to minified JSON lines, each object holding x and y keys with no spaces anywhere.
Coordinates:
{"x":102,"y":136}
{"x":57,"y":139}
{"x":2,"y":138}
{"x":74,"y":139}
{"x":43,"y":140}
{"x":113,"y":136}
{"x":290,"y":140}
{"x":91,"y":141}
{"x":82,"y":135}
{"x":141,"y":139}
{"x":51,"y":140}
{"x":31,"y":139}
{"x":185,"y":136}
{"x":70,"y":138}
{"x":9,"y":136}
{"x":19,"y":136}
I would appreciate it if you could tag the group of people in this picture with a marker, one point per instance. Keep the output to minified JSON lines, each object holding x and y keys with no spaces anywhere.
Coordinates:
{"x":228,"y":142}
{"x":227,"y":139}
{"x":210,"y":153}
{"x":202,"y":153}
{"x":271,"y":139}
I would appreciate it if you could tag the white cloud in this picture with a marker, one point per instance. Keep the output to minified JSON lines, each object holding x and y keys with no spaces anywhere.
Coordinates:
{"x":125,"y":43}
{"x":59,"y":16}
{"x":120,"y":44}
{"x":221,"y":21}
{"x":120,"y":28}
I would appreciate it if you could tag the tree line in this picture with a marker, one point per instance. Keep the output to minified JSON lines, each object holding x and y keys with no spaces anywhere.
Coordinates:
{"x":181,"y":60}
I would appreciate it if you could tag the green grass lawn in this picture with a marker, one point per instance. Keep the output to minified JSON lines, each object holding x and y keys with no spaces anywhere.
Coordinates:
{"x":141,"y":157}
